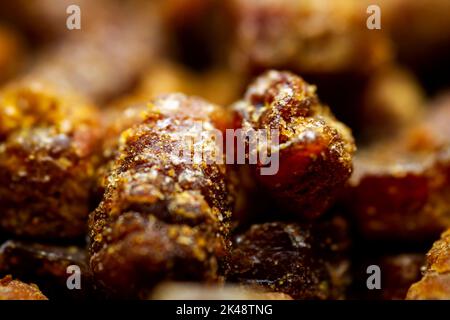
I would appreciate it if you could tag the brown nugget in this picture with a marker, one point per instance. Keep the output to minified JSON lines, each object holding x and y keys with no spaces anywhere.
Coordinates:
{"x":162,"y":217}
{"x":48,"y":145}
{"x":16,"y":290}
{"x":400,"y":188}
{"x":435,"y":283}
{"x":305,"y":261}
{"x":311,"y":37}
{"x":315,"y":150}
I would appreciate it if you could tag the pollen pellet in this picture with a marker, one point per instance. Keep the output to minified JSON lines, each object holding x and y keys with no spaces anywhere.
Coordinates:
{"x":152,"y":224}
{"x":314,"y":149}
{"x":48,"y":148}
{"x":401,"y":186}
{"x":305,"y":261}
{"x":435,"y":283}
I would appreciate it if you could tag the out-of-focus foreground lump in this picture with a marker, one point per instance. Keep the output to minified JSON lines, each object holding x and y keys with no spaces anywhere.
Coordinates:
{"x":16,"y":290}
{"x":315,"y":150}
{"x":435,"y":283}
{"x":163,"y":216}
{"x":305,"y":261}
{"x":195,"y":291}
